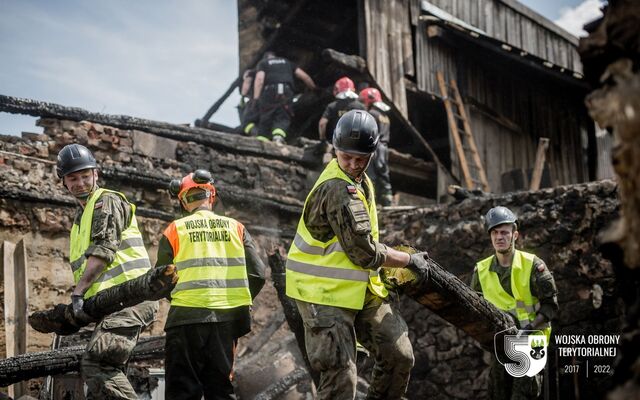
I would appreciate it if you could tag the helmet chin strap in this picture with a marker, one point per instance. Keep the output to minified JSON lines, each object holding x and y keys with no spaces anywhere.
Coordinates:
{"x":359,"y":178}
{"x":509,"y":249}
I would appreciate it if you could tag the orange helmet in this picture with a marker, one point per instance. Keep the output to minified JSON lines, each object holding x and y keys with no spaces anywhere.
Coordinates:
{"x":199,"y":179}
{"x":342,"y":85}
{"x":370,"y":95}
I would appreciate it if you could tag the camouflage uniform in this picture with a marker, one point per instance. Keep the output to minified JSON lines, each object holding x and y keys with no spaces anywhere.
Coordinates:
{"x":503,"y":386}
{"x":104,"y":361}
{"x":331,"y":332}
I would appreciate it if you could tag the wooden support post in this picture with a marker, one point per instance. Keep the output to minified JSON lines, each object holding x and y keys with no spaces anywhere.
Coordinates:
{"x":16,"y":291}
{"x":536,"y":176}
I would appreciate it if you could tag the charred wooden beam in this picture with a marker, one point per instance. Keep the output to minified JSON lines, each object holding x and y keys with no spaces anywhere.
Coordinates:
{"x":234,"y":143}
{"x":154,"y":285}
{"x":15,"y":193}
{"x":205,"y":119}
{"x":411,"y":174}
{"x":448,"y":297}
{"x":57,"y":362}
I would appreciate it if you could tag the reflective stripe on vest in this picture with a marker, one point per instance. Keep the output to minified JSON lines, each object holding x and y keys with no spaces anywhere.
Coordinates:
{"x":130,"y":261}
{"x":522,"y":305}
{"x":211,"y":263}
{"x":321,"y":272}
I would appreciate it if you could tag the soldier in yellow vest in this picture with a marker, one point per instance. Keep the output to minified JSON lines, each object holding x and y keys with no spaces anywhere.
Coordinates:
{"x":219,"y":273}
{"x":521,"y":284}
{"x":332,"y":273}
{"x":106,"y":249}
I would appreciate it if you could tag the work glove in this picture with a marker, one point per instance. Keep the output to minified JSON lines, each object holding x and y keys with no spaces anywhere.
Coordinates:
{"x":419,"y":266}
{"x":77,"y":304}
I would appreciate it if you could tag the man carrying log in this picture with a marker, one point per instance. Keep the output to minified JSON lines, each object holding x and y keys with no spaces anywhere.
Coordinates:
{"x":106,"y":249}
{"x":522,"y":285}
{"x":219,"y":274}
{"x":332,"y":273}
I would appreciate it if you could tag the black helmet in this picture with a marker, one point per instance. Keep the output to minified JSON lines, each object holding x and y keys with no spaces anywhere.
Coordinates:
{"x":498,"y":216}
{"x":73,"y":158}
{"x":356,"y":132}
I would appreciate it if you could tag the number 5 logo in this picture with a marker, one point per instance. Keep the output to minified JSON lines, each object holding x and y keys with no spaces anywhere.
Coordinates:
{"x":524,"y":354}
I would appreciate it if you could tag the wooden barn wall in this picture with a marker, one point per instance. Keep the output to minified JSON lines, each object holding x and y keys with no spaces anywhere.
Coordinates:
{"x":508,"y":21}
{"x":509,"y":114}
{"x":501,"y":150}
{"x":389,"y":46}
{"x":527,"y":109}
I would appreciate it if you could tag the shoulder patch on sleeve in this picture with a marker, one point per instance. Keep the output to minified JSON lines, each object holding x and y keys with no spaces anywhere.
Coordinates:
{"x":98,"y":204}
{"x":359,"y":217}
{"x":541,"y":267}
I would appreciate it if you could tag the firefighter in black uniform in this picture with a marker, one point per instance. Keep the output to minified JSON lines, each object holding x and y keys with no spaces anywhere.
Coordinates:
{"x":346,"y":100}
{"x":273,"y":88}
{"x":378,"y":169}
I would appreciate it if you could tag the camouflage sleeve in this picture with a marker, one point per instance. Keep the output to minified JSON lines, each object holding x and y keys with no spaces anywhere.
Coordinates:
{"x":255,"y":267}
{"x":349,"y":221}
{"x":165,"y":252}
{"x":475,"y":282}
{"x":543,"y":286}
{"x":111,"y":216}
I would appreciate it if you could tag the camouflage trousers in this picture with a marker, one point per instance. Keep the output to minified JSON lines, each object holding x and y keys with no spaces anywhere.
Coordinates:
{"x":503,"y":386}
{"x":330,"y":338}
{"x":104,"y":361}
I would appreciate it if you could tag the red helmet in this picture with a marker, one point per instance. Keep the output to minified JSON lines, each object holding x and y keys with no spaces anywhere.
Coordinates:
{"x":370,"y":95}
{"x":199,"y":179}
{"x":342,"y":85}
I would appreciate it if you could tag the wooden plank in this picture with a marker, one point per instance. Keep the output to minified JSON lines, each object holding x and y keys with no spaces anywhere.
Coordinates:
{"x":407,"y":44}
{"x":15,"y":305}
{"x":490,"y":18}
{"x":542,"y":22}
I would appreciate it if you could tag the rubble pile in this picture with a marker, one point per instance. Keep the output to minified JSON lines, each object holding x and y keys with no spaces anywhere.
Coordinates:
{"x":35,"y":206}
{"x":560,"y":225}
{"x":266,"y":194}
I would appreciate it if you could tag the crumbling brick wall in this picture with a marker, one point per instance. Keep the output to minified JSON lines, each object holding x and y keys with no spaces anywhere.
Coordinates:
{"x":265,"y":194}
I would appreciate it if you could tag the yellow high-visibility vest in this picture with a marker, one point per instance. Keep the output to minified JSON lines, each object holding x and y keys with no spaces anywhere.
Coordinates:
{"x":522,"y":305}
{"x":321,"y":272}
{"x":211,"y":264}
{"x":131,"y":259}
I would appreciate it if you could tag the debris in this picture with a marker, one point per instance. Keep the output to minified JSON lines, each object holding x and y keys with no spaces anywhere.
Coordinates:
{"x":154,"y":285}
